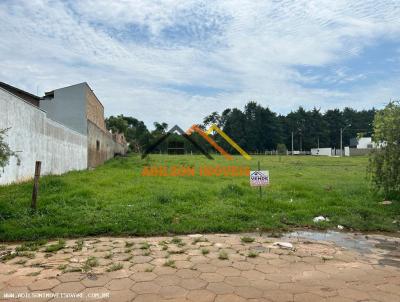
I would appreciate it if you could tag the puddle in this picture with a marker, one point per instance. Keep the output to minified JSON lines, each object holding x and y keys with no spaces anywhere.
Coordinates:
{"x":363,"y":244}
{"x":350,"y":241}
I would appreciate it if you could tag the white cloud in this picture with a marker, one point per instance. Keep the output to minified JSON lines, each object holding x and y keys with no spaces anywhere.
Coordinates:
{"x":133,"y":52}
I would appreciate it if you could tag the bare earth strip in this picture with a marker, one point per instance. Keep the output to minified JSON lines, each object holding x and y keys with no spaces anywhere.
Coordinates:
{"x":212,"y":267}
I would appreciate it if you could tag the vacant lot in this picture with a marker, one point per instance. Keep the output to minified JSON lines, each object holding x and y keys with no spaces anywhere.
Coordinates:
{"x":116,"y":199}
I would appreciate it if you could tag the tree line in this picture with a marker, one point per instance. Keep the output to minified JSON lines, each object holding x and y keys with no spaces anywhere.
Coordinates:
{"x":257,"y":128}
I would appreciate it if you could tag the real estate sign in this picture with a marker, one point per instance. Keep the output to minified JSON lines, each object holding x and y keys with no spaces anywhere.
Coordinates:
{"x":259,"y":178}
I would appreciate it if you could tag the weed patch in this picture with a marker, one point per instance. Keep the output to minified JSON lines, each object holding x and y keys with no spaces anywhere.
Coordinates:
{"x":115,"y":267}
{"x":55,"y":247}
{"x":223,"y":255}
{"x":247,"y":239}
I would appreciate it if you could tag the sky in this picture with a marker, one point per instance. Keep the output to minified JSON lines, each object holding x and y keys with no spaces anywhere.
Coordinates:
{"x":178,"y":61}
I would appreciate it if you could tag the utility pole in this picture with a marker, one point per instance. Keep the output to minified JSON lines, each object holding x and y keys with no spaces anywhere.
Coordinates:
{"x":292,"y":142}
{"x":341,"y":142}
{"x":341,"y":139}
{"x":318,"y":142}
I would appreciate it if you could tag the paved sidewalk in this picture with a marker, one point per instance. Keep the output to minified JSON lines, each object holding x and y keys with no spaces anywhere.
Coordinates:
{"x":213,"y":267}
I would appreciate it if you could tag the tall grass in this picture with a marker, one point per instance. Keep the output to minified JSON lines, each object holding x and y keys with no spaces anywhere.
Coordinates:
{"x":116,"y":199}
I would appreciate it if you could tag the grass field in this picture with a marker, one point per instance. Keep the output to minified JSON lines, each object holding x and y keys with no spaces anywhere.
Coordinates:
{"x":116,"y":199}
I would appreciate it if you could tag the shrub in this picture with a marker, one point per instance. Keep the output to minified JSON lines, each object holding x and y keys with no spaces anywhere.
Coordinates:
{"x":115,"y":267}
{"x":170,"y":263}
{"x":247,"y":239}
{"x":55,"y":247}
{"x":223,"y":255}
{"x":90,"y":262}
{"x":384,"y":163}
{"x":205,"y":251}
{"x":252,"y":254}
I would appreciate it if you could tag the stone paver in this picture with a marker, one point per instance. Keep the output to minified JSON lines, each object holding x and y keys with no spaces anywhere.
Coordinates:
{"x":169,"y":292}
{"x":120,"y":284}
{"x":68,"y":287}
{"x":201,"y":295}
{"x":220,"y":288}
{"x":43,"y":284}
{"x":193,"y":283}
{"x":188,"y":269}
{"x":146,"y":287}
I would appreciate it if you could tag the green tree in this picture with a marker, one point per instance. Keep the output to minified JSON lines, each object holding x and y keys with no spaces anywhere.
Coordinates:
{"x":213,"y":118}
{"x":257,"y":128}
{"x":384,"y":164}
{"x":117,"y":124}
{"x":235,"y":128}
{"x":160,"y":128}
{"x":135,"y":131}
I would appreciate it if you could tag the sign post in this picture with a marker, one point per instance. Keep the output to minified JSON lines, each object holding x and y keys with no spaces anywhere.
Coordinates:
{"x":259,"y":178}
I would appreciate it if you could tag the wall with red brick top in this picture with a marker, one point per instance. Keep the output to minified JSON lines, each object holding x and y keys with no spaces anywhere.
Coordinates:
{"x":94,"y":110}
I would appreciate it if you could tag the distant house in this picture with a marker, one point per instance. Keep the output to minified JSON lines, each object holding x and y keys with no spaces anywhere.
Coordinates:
{"x":79,"y":108}
{"x":360,"y":146}
{"x":65,"y":130}
{"x":362,"y":143}
{"x":28,"y":97}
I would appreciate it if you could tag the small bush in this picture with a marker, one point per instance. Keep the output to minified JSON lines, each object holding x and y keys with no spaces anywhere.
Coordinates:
{"x":223,"y":255}
{"x":55,"y":247}
{"x":247,"y":239}
{"x":178,"y":242}
{"x":78,"y":245}
{"x":252,"y":254}
{"x":115,"y":267}
{"x":145,"y":246}
{"x":170,"y":263}
{"x":10,"y":255}
{"x":30,"y":246}
{"x":90,"y":262}
{"x":128,"y":244}
{"x":200,"y":239}
{"x":205,"y":251}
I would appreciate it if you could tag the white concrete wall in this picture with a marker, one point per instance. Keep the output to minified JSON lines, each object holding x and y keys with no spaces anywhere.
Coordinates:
{"x":357,"y":151}
{"x":35,"y":137}
{"x":321,"y":151}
